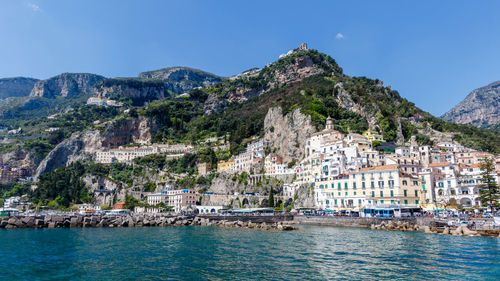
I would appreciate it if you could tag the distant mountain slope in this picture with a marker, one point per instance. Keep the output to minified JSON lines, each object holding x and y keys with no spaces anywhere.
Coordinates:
{"x":186,"y":77}
{"x":155,"y":85}
{"x":16,"y":87}
{"x":480,"y":108}
{"x":66,"y":85}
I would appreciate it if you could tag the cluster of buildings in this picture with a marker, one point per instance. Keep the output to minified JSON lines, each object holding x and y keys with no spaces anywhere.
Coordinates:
{"x":178,"y":199}
{"x":8,"y":174}
{"x":127,"y":154}
{"x":103,"y":102}
{"x":347,"y":172}
{"x":254,"y":159}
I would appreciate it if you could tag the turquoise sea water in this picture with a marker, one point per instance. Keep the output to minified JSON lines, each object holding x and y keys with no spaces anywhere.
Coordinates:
{"x":212,"y":253}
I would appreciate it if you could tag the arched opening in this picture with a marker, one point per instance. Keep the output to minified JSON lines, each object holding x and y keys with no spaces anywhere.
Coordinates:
{"x":245,"y":202}
{"x":212,"y":211}
{"x":465,"y":202}
{"x":264,"y":203}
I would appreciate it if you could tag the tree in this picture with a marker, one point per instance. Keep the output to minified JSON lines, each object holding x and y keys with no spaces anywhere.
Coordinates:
{"x":271,"y":197}
{"x":488,"y":190}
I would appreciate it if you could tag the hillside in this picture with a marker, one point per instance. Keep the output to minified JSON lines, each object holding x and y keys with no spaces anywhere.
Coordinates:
{"x":314,"y":83}
{"x":306,"y":85}
{"x":480,"y":108}
{"x":16,"y":87}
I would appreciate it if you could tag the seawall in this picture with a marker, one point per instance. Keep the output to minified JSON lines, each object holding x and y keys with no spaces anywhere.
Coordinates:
{"x":136,"y":220}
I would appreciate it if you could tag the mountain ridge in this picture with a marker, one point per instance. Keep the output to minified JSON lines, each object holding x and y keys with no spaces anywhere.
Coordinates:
{"x":480,"y":108}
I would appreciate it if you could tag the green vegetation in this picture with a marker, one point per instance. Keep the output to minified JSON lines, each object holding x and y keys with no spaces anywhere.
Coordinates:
{"x":13,"y":189}
{"x":62,"y":187}
{"x":488,"y":190}
{"x":270,"y":201}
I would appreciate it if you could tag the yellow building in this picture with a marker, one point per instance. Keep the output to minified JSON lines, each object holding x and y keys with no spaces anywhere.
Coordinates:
{"x":374,"y":186}
{"x":225,"y":166}
{"x":372,"y":136}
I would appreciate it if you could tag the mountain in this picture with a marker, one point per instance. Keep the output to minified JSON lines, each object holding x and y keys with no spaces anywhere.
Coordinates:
{"x":16,"y":87}
{"x":480,"y":108}
{"x":66,"y":85}
{"x":312,"y":82}
{"x":182,"y":78}
{"x":283,"y":103}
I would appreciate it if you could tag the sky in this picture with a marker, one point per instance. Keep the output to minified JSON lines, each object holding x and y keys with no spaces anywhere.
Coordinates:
{"x":432,"y":52}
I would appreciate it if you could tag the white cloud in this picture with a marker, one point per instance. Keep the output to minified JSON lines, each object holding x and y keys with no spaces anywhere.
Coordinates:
{"x":34,"y":7}
{"x":339,"y":36}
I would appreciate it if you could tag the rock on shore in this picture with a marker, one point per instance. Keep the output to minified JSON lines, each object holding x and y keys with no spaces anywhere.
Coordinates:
{"x":134,"y":221}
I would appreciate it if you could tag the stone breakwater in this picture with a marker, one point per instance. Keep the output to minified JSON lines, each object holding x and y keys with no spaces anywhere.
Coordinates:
{"x":59,"y":221}
{"x":424,"y":224}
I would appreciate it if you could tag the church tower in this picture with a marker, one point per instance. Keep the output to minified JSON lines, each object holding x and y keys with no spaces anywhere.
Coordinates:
{"x":329,"y":123}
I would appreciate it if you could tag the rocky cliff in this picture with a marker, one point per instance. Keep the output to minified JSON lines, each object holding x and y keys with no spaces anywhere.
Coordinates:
{"x":66,"y":85}
{"x":155,"y":85}
{"x":139,"y":91}
{"x":480,"y":108}
{"x":286,"y":135}
{"x":16,"y":87}
{"x":84,"y":145}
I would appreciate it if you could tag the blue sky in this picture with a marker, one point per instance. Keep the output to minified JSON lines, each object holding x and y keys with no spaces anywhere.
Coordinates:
{"x":433,"y":52}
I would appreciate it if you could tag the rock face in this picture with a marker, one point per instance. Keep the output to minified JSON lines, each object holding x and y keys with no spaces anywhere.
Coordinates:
{"x":83,"y":145}
{"x":66,"y":85}
{"x":480,"y":108}
{"x":16,"y":87}
{"x":155,"y":85}
{"x":286,"y":135}
{"x":343,"y":98}
{"x":139,"y":91}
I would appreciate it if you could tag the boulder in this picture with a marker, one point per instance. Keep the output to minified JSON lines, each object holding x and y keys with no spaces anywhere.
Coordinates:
{"x":427,"y":229}
{"x":446,"y":230}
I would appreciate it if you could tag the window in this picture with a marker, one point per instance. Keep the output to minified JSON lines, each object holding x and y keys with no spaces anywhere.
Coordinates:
{"x":381,"y":184}
{"x":345,"y":185}
{"x":416,"y":193}
{"x":381,"y":193}
{"x":405,"y":182}
{"x":373,"y":193}
{"x":338,"y":185}
{"x":415,"y":182}
{"x":363,"y":185}
{"x":405,"y":193}
{"x":416,"y":202}
{"x":406,"y":202}
{"x":354,"y":185}
{"x":354,"y":193}
{"x":392,"y":193}
{"x":372,"y":184}
{"x":391,"y":183}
